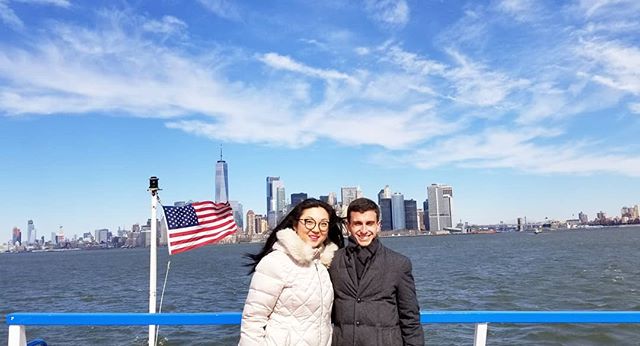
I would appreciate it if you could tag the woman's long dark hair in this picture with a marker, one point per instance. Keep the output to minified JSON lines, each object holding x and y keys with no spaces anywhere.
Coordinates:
{"x":335,"y":228}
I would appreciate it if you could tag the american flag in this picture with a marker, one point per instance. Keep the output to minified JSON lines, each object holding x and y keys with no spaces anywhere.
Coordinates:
{"x":197,"y":224}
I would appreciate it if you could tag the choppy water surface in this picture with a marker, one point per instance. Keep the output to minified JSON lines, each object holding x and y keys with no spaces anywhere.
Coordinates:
{"x":563,"y":270}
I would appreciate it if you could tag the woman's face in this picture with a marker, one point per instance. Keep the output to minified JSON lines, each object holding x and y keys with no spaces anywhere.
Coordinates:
{"x":313,"y":226}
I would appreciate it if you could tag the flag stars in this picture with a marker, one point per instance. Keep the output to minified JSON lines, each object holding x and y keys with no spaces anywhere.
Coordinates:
{"x":179,"y":217}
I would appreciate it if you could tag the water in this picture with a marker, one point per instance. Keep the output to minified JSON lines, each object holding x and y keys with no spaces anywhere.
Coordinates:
{"x":564,"y":270}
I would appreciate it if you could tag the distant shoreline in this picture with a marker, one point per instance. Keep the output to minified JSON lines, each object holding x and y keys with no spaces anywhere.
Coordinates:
{"x":385,"y":234}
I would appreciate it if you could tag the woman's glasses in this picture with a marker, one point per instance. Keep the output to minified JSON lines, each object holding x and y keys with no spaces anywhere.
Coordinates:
{"x":310,"y":224}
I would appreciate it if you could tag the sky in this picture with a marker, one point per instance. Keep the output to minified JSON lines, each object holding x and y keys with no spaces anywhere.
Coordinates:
{"x":526,"y":108}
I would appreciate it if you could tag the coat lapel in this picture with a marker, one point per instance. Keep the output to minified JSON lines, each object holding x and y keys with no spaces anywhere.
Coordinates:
{"x":369,"y":274}
{"x":351,"y":269}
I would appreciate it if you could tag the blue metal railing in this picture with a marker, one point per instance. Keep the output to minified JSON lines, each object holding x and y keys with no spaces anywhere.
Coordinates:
{"x":221,"y":318}
{"x":18,"y":321}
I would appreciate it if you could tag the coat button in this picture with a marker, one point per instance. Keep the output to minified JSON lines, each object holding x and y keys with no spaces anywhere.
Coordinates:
{"x":359,"y":300}
{"x":357,"y":323}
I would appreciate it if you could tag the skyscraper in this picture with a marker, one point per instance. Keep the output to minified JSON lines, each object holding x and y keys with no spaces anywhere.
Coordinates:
{"x":584,"y":219}
{"x":425,"y":214}
{"x":16,"y":236}
{"x":297,"y":198}
{"x":386,"y":222}
{"x":237,"y":214}
{"x":440,"y":199}
{"x":281,"y":199}
{"x":31,"y":232}
{"x":385,"y":193}
{"x":348,"y":194}
{"x":332,"y":199}
{"x":397,"y":211}
{"x":276,"y":201}
{"x":271,"y":193}
{"x":250,"y":230}
{"x":420,"y":213}
{"x":222,"y":180}
{"x":384,"y":201}
{"x":411,"y":214}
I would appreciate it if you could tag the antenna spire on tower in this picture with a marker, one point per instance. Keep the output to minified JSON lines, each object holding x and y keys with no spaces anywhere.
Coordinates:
{"x":221,"y":152}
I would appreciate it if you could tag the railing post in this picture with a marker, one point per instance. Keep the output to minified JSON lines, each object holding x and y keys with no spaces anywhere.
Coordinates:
{"x":17,"y":336}
{"x":480,"y":337}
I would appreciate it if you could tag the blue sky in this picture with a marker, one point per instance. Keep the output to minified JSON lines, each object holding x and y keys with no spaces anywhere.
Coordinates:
{"x":527,"y":108}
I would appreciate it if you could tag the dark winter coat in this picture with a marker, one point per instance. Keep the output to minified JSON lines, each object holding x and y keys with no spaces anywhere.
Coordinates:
{"x":379,"y":309}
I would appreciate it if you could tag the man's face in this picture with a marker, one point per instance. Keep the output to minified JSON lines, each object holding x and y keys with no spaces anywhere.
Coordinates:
{"x":363,"y":227}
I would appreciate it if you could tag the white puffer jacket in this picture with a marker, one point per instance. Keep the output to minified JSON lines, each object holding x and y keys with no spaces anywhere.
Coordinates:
{"x":290,"y":296}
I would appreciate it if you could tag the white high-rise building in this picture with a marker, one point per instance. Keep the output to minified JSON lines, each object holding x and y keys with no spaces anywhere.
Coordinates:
{"x":271,"y":193}
{"x":348,"y":194}
{"x":332,"y":200}
{"x":31,"y":233}
{"x":276,"y":200}
{"x":281,"y":198}
{"x":102,"y":235}
{"x":238,"y":214}
{"x":440,"y":200}
{"x":386,"y":192}
{"x":222,"y":180}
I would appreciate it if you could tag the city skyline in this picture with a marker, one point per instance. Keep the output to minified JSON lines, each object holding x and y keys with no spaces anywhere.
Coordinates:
{"x":527,"y":109}
{"x":350,"y":195}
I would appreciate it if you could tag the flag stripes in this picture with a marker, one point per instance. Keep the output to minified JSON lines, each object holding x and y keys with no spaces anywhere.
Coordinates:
{"x":198,"y":224}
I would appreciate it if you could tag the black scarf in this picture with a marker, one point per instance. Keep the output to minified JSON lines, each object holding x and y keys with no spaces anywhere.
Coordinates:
{"x":362,"y":255}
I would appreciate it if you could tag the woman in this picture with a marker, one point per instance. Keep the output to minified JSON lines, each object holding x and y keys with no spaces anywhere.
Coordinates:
{"x":291,"y":296}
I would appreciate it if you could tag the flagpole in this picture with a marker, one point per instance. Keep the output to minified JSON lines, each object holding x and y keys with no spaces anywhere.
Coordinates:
{"x":153,"y":188}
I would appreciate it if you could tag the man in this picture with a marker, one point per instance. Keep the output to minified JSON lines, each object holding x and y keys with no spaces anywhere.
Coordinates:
{"x":374,"y":292}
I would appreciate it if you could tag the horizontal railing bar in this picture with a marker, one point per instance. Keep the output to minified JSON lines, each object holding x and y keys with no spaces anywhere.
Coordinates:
{"x":530,"y":317}
{"x":123,"y":319}
{"x":223,"y":318}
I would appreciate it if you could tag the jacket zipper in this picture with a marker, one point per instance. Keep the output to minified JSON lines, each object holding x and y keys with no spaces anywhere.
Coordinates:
{"x":315,"y":263}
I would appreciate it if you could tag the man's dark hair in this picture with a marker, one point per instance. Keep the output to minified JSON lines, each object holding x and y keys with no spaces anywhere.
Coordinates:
{"x":362,"y":205}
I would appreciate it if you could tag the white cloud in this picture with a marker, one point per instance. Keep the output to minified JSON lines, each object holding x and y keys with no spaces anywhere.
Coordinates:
{"x":389,"y":87}
{"x":615,"y":64}
{"x":392,"y":98}
{"x":77,"y":70}
{"x":286,"y":63}
{"x":518,"y":149}
{"x":246,"y":131}
{"x":59,"y":3}
{"x":607,"y":8}
{"x":394,"y":13}
{"x":472,"y":29}
{"x":546,"y":101}
{"x":168,"y":25}
{"x":520,"y":10}
{"x":108,"y":69}
{"x":389,"y":129}
{"x":472,"y":83}
{"x":410,"y":62}
{"x":8,"y":16}
{"x":620,"y":65}
{"x":362,"y":50}
{"x":222,"y":8}
{"x":477,"y":85}
{"x":612,"y":27}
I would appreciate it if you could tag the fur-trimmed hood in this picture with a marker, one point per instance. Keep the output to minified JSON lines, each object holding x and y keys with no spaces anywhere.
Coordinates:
{"x":301,"y":252}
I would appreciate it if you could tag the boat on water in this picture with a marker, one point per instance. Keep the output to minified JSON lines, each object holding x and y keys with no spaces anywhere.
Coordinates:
{"x":537,"y":231}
